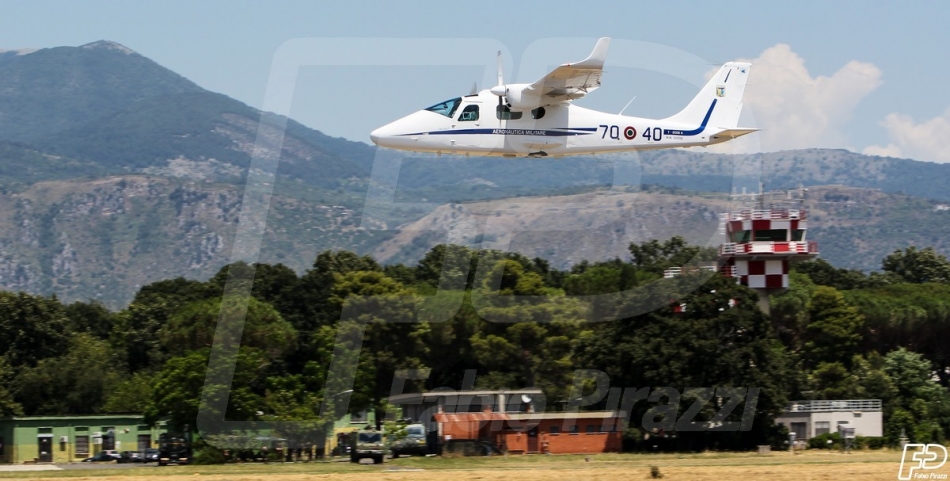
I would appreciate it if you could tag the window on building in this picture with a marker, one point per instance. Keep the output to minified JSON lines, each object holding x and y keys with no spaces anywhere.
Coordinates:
{"x":469,"y":113}
{"x":822,"y":427}
{"x":798,"y":235}
{"x":1,"y":445}
{"x":773,"y":235}
{"x":800,"y":431}
{"x":605,"y":428}
{"x":741,"y":236}
{"x":555,"y":430}
{"x":575,"y":429}
{"x":144,"y":442}
{"x":82,"y":445}
{"x":590,"y":429}
{"x":108,"y":437}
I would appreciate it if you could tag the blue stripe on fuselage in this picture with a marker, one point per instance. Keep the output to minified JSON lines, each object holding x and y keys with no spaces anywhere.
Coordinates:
{"x":694,"y":131}
{"x":534,"y":132}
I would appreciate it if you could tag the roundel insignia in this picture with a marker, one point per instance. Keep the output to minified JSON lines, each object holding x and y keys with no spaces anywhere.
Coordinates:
{"x":630,"y":133}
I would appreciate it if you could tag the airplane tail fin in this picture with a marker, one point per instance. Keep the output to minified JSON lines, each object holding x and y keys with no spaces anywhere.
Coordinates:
{"x":719,"y":103}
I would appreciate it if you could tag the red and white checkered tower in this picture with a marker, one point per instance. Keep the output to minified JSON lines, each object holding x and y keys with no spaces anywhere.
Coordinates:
{"x":762,"y":238}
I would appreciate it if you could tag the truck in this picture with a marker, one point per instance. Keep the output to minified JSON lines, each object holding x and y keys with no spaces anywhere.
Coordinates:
{"x":174,"y":448}
{"x":414,"y":442}
{"x":368,"y":443}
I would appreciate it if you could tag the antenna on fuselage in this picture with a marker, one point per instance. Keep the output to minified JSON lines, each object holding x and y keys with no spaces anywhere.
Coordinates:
{"x":628,"y":104}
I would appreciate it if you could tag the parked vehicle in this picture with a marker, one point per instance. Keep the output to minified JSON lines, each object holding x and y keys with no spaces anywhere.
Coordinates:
{"x":469,"y":447}
{"x":150,"y":455}
{"x":103,"y":457}
{"x":133,"y":456}
{"x":413,"y":443}
{"x":174,"y":448}
{"x":368,"y":444}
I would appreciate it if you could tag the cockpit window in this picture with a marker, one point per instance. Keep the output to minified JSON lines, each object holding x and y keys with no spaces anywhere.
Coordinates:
{"x":446,"y":108}
{"x":470,"y":112}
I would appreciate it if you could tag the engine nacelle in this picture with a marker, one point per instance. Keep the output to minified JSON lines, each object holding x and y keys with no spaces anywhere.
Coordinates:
{"x":517,"y":97}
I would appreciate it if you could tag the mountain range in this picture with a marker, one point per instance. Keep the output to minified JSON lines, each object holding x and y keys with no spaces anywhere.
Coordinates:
{"x":115,"y":172}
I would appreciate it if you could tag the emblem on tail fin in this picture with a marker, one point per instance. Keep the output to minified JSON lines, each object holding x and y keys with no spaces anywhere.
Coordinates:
{"x":720,"y":91}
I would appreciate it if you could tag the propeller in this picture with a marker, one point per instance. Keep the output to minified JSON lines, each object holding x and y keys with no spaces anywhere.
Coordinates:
{"x":501,"y":90}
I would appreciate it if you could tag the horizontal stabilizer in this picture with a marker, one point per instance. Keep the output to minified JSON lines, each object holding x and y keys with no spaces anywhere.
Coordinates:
{"x":730,"y":134}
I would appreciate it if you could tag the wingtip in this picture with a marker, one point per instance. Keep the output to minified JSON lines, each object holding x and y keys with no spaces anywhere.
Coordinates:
{"x":597,"y":56}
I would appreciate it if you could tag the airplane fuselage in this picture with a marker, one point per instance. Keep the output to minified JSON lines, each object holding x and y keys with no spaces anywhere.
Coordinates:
{"x":477,"y":125}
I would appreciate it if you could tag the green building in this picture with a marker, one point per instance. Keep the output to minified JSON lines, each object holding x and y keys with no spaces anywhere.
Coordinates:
{"x":64,"y":439}
{"x":345,"y":426}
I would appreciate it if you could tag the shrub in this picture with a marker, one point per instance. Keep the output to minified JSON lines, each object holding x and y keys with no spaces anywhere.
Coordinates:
{"x":821,"y":441}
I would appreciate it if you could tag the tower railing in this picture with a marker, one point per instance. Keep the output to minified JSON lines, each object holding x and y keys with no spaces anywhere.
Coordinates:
{"x":765,"y":214}
{"x":768,"y":247}
{"x":823,"y":405}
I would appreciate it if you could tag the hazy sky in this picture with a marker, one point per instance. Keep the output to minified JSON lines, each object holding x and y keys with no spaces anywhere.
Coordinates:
{"x":855,"y":75}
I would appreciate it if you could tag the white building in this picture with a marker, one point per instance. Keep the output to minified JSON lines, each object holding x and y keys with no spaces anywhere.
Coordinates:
{"x":813,"y":418}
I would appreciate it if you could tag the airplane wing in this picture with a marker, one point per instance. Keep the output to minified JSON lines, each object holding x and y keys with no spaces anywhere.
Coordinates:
{"x":573,"y":80}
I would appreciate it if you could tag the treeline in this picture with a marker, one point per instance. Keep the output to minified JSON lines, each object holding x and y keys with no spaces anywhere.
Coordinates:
{"x":513,"y":321}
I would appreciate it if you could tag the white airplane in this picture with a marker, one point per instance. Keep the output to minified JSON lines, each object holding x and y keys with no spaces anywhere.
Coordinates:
{"x":539,"y":120}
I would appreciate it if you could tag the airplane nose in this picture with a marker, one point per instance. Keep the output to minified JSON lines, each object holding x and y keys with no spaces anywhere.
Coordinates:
{"x":375,"y":135}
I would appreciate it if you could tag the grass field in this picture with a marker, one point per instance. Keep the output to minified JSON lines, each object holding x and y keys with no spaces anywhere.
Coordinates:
{"x":868,"y":465}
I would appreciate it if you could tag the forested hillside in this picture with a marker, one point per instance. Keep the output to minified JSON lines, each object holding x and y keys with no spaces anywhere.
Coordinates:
{"x":113,"y":170}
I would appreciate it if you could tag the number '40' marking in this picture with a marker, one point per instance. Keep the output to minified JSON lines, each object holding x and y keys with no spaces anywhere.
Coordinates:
{"x":655,"y":134}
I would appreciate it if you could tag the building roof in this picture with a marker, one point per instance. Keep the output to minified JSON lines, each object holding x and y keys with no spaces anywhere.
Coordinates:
{"x":416,"y":398}
{"x":470,"y":417}
{"x":833,"y":405}
{"x":77,"y":417}
{"x":567,"y":415}
{"x":492,"y":416}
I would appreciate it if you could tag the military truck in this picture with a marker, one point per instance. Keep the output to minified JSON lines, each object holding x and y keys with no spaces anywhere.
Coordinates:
{"x":413,"y":443}
{"x":174,"y":448}
{"x":368,"y":443}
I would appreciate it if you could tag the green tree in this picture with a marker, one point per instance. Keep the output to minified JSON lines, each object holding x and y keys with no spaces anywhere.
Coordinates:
{"x":831,"y":380}
{"x":824,"y":274}
{"x":76,"y":382}
{"x":131,"y":395}
{"x":834,"y":328}
{"x":92,"y":317}
{"x":918,"y":266}
{"x":919,"y":400}
{"x":392,"y":336}
{"x":8,"y":405}
{"x":721,"y":339}
{"x":789,"y":309}
{"x":136,"y":329}
{"x":915,"y":316}
{"x":295,"y":408}
{"x":272,"y":284}
{"x":654,"y":256}
{"x":194,"y":326}
{"x":31,"y":328}
{"x":179,"y":387}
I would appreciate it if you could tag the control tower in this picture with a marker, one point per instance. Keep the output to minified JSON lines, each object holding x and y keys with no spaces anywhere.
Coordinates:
{"x":764,"y":234}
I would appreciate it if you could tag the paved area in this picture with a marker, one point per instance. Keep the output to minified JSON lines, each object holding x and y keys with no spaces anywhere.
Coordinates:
{"x":9,"y":468}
